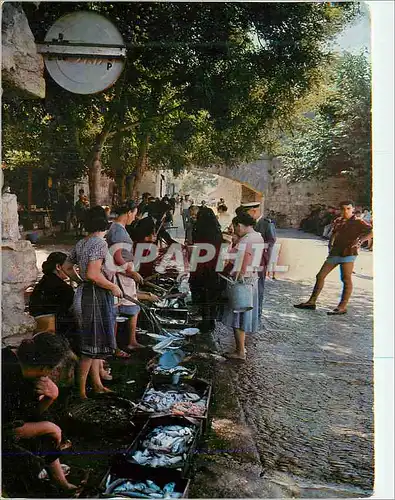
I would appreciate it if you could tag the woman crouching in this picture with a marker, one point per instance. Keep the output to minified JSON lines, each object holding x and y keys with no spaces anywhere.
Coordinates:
{"x":27,"y":391}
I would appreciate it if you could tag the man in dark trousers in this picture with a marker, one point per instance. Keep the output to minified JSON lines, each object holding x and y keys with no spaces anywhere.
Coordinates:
{"x":347,"y":236}
{"x":268,"y":232}
{"x":80,"y":208}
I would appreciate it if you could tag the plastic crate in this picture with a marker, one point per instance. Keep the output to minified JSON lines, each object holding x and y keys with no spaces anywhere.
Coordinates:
{"x":165,"y":314}
{"x":121,"y":469}
{"x":153,"y":422}
{"x":202,"y":387}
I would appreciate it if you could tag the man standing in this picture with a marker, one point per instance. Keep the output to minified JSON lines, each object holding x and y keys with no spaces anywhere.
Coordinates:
{"x":347,"y":236}
{"x":142,"y":207}
{"x":266,"y":228}
{"x":184,"y":210}
{"x":81,"y":206}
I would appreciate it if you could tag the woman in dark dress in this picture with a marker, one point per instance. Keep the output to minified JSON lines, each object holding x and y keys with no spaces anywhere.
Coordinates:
{"x":94,"y":302}
{"x":52,"y":299}
{"x":27,"y":392}
{"x":205,"y":282}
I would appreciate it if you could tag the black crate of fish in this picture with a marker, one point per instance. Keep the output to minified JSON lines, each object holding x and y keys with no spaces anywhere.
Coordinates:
{"x":123,"y":480}
{"x":191,"y":399}
{"x":165,"y":442}
{"x":184,"y":372}
{"x":172,"y":317}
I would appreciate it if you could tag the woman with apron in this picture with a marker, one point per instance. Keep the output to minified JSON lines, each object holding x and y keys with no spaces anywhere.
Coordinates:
{"x":94,"y":302}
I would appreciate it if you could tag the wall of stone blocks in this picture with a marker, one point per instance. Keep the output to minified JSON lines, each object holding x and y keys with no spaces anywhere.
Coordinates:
{"x":294,"y":199}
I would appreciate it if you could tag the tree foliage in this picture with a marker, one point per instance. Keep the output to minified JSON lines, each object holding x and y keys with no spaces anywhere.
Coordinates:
{"x":201,"y":81}
{"x":334,"y":136}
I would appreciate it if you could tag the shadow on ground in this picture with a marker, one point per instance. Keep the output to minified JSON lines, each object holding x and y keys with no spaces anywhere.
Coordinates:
{"x":307,"y":390}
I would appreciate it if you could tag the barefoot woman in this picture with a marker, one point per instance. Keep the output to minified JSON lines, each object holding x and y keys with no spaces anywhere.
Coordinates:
{"x":249,"y":241}
{"x":94,"y":302}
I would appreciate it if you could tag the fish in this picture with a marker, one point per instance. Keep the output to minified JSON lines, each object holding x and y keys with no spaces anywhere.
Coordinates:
{"x":149,"y":489}
{"x":155,"y":487}
{"x":164,"y":446}
{"x":169,"y":487}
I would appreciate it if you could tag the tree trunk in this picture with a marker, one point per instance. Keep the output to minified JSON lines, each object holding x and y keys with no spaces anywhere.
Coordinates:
{"x":141,"y":166}
{"x":95,"y":168}
{"x":29,"y":188}
{"x":123,"y":187}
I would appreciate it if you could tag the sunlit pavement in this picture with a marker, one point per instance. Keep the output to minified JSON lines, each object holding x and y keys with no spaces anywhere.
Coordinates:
{"x":307,"y":386}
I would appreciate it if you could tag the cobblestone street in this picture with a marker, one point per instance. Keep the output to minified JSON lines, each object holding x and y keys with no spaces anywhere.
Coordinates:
{"x":307,"y":387}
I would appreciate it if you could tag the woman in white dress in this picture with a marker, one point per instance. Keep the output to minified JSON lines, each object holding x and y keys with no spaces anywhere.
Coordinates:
{"x":245,"y":322}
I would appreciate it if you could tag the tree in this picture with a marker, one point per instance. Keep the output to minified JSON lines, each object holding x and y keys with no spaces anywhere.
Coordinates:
{"x":334,"y":137}
{"x":201,"y":80}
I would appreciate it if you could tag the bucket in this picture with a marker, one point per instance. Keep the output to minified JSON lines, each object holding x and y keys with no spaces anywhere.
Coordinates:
{"x":240,"y":296}
{"x":32,"y":237}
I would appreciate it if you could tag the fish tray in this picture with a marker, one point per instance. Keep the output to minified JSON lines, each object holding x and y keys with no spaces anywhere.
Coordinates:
{"x":120,"y":469}
{"x":153,"y":422}
{"x":202,"y":387}
{"x":171,"y":317}
{"x":162,"y":378}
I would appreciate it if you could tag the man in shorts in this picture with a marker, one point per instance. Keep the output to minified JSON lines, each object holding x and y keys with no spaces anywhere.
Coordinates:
{"x":347,"y":236}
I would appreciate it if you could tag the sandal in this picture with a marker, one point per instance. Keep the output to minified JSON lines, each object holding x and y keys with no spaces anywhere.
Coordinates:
{"x":336,"y":312}
{"x":82,"y":485}
{"x":121,"y":354}
{"x":309,"y":307}
{"x":130,"y":350}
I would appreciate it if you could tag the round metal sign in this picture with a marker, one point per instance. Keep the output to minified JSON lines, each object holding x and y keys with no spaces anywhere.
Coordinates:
{"x":83,"y":52}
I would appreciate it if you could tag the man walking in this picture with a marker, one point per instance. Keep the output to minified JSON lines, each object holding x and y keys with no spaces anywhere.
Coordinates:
{"x":266,"y":228}
{"x":347,"y":236}
{"x":184,"y":210}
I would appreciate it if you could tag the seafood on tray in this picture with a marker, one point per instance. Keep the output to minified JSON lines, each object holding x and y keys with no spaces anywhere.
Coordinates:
{"x":155,"y":401}
{"x":182,"y":371}
{"x":141,"y":489}
{"x":165,"y":446}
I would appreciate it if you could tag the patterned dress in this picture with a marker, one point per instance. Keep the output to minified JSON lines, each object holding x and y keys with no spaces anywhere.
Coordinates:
{"x":93,"y":306}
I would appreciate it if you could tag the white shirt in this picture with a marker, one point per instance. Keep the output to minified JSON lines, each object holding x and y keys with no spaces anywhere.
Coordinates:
{"x":185,"y":204}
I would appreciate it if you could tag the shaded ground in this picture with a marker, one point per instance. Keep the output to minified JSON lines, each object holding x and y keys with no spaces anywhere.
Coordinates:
{"x":307,"y":388}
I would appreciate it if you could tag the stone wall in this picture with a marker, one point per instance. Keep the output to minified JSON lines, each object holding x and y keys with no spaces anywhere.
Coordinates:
{"x":150,"y":183}
{"x":230,"y":191}
{"x":22,"y":66}
{"x":253,"y":175}
{"x":18,"y":271}
{"x":293,"y":200}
